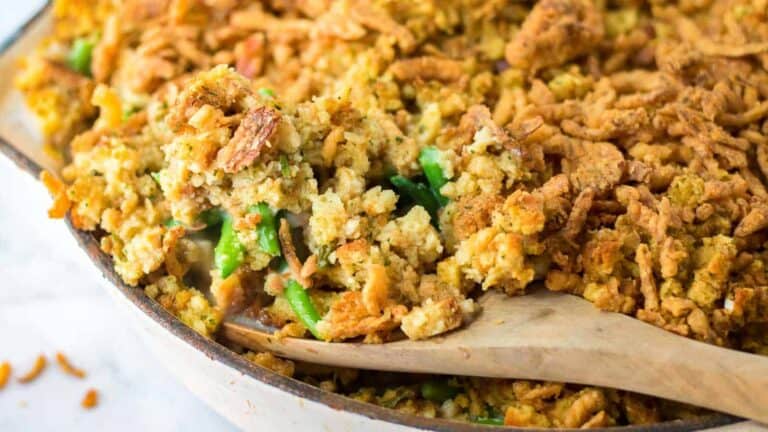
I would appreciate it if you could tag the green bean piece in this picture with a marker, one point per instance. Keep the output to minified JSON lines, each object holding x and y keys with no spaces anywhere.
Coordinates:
{"x":267,"y":228}
{"x":228,"y":254}
{"x":438,"y":391}
{"x":429,"y":158}
{"x":211,"y":217}
{"x":285,"y":168}
{"x":302,"y":306}
{"x":129,"y":111}
{"x":266,"y":92}
{"x":419,"y":193}
{"x":79,"y":58}
{"x":492,"y":421}
{"x":170,"y":223}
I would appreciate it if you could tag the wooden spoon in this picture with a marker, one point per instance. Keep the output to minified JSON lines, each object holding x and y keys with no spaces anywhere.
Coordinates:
{"x":553,"y":337}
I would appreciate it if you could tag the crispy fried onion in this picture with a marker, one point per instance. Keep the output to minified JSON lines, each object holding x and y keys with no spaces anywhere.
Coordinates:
{"x":301,"y":272}
{"x":67,"y":367}
{"x":427,"y":68}
{"x":37,"y":369}
{"x":250,"y":138}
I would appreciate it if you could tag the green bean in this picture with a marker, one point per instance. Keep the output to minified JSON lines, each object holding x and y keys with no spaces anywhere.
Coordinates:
{"x":323,"y":254}
{"x":155,"y":176}
{"x":129,"y":111}
{"x":267,"y":228}
{"x":302,"y":306}
{"x":266,"y":92}
{"x":229,"y":253}
{"x":419,"y":193}
{"x":285,"y":168}
{"x":493,"y":421}
{"x":79,"y":58}
{"x":429,"y":158}
{"x":170,"y":223}
{"x":211,"y":217}
{"x":438,"y":391}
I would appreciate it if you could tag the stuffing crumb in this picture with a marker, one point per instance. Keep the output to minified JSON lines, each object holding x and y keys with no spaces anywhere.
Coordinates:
{"x":269,"y":361}
{"x":435,"y":317}
{"x":188,"y":304}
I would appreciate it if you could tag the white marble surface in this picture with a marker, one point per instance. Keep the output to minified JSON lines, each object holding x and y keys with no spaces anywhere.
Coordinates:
{"x":49,"y":301}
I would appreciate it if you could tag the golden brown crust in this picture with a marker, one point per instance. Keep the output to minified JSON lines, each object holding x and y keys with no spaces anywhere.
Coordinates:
{"x":348,"y":317}
{"x":471,"y":214}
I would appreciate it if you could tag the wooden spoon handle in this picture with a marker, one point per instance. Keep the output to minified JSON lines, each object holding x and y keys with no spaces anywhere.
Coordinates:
{"x":692,"y":372}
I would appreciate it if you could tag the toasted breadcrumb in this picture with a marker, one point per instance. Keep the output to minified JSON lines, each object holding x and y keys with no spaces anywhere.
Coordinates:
{"x":37,"y":369}
{"x":67,"y":367}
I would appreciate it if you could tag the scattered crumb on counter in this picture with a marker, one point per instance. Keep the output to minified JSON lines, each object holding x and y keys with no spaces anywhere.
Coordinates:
{"x":91,"y":399}
{"x":36,"y":370}
{"x":67,"y":367}
{"x":5,"y":373}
